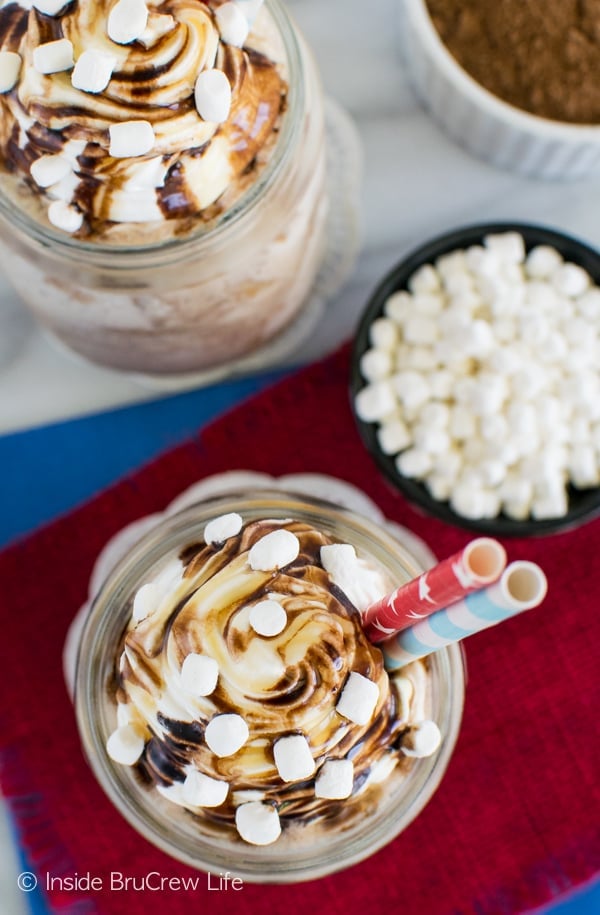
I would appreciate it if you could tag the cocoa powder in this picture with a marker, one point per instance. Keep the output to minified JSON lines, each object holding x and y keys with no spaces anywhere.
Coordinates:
{"x":540,"y":55}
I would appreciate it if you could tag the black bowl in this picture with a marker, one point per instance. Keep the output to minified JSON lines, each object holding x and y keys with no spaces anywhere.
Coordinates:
{"x":584,"y":504}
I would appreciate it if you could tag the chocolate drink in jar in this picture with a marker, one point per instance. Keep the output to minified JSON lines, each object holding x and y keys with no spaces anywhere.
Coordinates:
{"x":245,"y":713}
{"x":162,"y":202}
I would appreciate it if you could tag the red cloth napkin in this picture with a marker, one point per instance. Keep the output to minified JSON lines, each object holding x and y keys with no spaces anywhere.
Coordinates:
{"x":515,"y":821}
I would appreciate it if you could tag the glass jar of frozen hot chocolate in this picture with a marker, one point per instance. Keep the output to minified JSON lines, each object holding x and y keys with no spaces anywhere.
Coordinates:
{"x":231,"y":705}
{"x":162,"y":182}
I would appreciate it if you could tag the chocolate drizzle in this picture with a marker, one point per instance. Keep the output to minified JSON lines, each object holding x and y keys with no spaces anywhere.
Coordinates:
{"x":285,"y":684}
{"x":207,"y":163}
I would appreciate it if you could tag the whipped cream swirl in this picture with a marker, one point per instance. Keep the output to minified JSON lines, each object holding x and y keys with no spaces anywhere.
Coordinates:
{"x":283,"y":685}
{"x":194,"y":168}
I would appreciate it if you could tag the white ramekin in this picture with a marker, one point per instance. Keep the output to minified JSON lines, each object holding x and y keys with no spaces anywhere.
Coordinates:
{"x":481,"y":122}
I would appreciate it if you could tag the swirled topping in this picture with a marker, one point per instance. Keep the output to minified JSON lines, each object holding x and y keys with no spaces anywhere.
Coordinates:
{"x":132,"y":112}
{"x":247,"y":690}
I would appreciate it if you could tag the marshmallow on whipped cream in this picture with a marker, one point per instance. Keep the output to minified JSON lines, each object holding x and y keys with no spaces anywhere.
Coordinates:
{"x":175,"y":105}
{"x":246,"y":685}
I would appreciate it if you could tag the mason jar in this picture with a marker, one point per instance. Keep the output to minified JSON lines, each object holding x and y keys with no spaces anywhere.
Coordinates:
{"x":310,"y":849}
{"x":197,"y":301}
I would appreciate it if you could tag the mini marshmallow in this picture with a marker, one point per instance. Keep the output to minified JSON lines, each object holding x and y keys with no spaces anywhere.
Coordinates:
{"x":65,"y":217}
{"x":222,"y":528}
{"x":436,"y":415}
{"x":553,"y":505}
{"x":399,"y":306}
{"x":125,"y":745}
{"x":54,"y":56}
{"x":375,"y":401}
{"x":250,"y":8}
{"x":411,"y":387}
{"x":505,"y":330}
{"x":493,"y":472}
{"x":521,"y":418}
{"x":425,"y":279}
{"x":93,"y":71}
{"x":200,"y":790}
{"x":232,"y":24}
{"x":358,"y":699}
{"x":146,"y":601}
{"x":10,"y":67}
{"x":493,"y":428}
{"x":199,"y":674}
{"x":127,"y":21}
{"x":479,"y":339}
{"x":450,"y":264}
{"x":65,"y":188}
{"x":468,"y":500}
{"x":570,"y":280}
{"x":50,"y":7}
{"x":383,"y":334}
{"x":123,"y":714}
{"x":393,"y":436}
{"x":293,"y":758}
{"x":335,"y":779}
{"x":375,"y":364}
{"x":462,"y":423}
{"x":49,"y":170}
{"x":274,"y":551}
{"x":441,"y":383}
{"x":554,"y":349}
{"x":431,"y":439}
{"x":483,"y":262}
{"x":340,"y":562}
{"x":449,"y":464}
{"x":421,"y":329}
{"x":257,"y":823}
{"x":509,"y":247}
{"x":542,"y":261}
{"x":588,"y":305}
{"x":131,"y":138}
{"x":226,"y":734}
{"x":518,"y":511}
{"x":583,"y":467}
{"x":268,"y":618}
{"x":421,"y":358}
{"x":421,"y":740}
{"x":212,"y":95}
{"x":438,"y":486}
{"x":542,"y":297}
{"x":457,"y":283}
{"x":504,"y":360}
{"x":414,"y":463}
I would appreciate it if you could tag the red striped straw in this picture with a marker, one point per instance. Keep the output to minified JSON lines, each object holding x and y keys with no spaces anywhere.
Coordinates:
{"x":478,"y":565}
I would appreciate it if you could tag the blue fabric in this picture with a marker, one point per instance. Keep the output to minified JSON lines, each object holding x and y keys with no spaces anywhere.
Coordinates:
{"x":46,"y":472}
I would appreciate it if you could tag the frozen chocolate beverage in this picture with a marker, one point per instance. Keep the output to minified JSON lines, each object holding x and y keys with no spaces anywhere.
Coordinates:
{"x":162,"y":166}
{"x":232,"y":706}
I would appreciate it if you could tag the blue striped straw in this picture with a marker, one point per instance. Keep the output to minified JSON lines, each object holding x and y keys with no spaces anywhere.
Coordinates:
{"x":521,"y":586}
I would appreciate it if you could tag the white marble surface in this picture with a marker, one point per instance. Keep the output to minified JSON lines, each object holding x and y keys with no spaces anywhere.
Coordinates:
{"x":417,"y":183}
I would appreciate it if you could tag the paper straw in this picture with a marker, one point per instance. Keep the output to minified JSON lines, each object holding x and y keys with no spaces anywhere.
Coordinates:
{"x":522,"y":586}
{"x":479,"y":564}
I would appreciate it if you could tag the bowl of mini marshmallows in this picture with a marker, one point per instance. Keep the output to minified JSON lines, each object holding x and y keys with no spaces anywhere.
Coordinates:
{"x":476,"y":379}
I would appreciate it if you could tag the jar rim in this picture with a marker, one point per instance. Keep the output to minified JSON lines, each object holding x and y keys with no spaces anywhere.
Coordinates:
{"x":94,"y":669}
{"x":115,"y":256}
